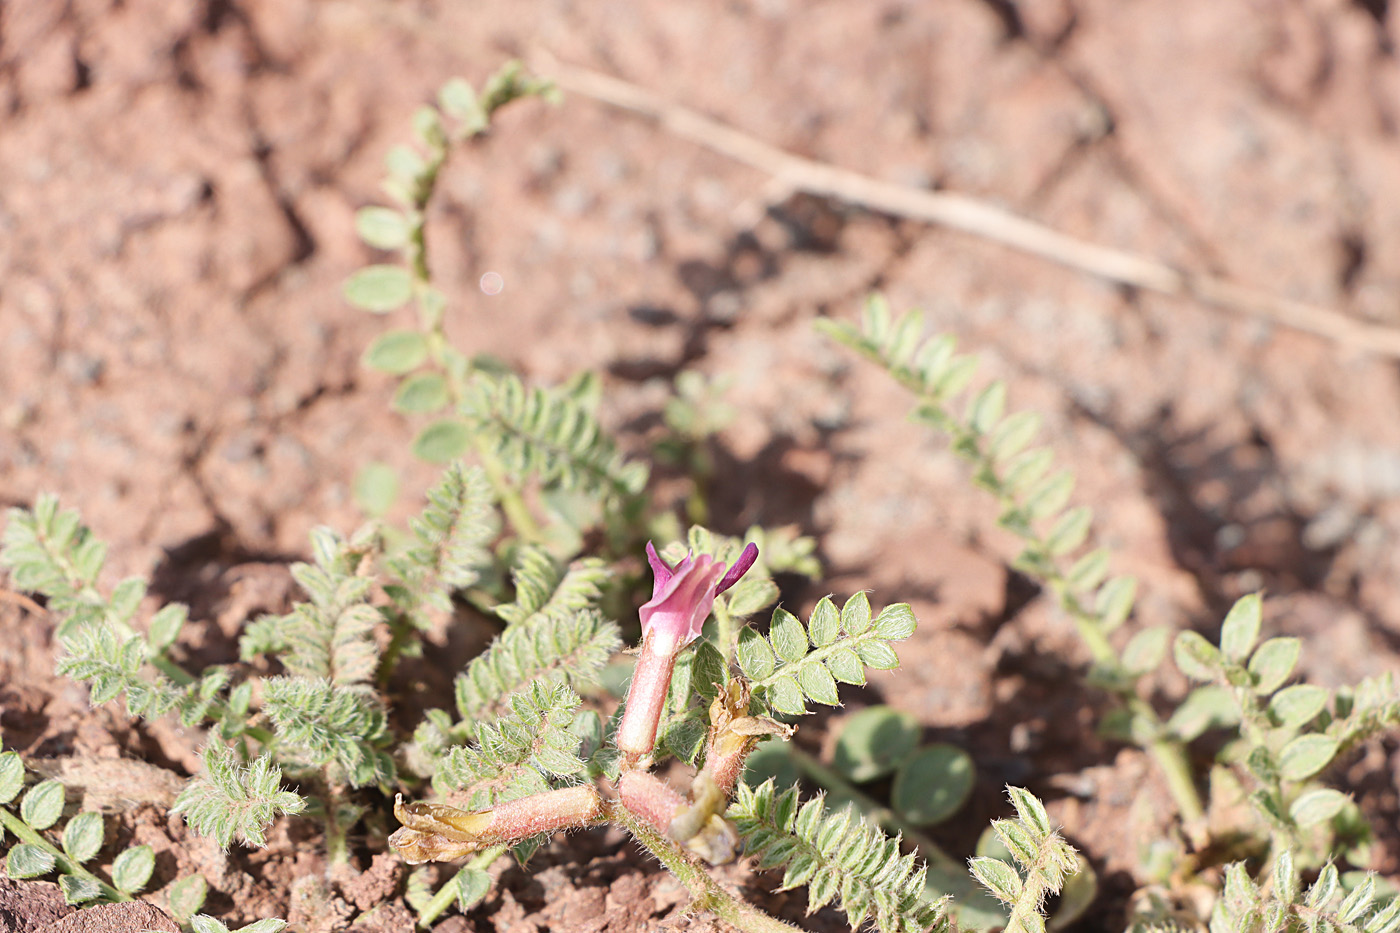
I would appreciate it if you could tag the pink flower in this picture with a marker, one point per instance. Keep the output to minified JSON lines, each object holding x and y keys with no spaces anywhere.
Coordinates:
{"x":682,"y":597}
{"x":681,"y":600}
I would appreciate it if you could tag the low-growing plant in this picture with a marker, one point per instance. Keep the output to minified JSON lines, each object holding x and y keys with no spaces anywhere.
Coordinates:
{"x":538,"y":527}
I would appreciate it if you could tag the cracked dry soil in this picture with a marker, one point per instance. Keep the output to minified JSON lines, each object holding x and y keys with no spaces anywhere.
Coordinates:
{"x":177,"y":188}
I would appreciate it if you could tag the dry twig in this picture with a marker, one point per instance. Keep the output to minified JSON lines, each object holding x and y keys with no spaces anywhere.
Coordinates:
{"x":959,"y":212}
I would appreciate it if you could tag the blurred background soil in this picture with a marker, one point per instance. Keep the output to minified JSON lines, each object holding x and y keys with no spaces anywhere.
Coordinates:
{"x":177,"y":188}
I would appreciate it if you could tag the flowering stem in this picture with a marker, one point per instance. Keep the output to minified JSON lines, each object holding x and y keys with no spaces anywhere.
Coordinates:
{"x":706,"y":891}
{"x":636,"y":736}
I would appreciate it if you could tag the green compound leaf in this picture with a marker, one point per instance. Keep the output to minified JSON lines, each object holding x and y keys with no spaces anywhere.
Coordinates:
{"x":82,"y":837}
{"x":11,"y":776}
{"x":422,"y":393}
{"x":187,"y":897}
{"x":27,"y":860}
{"x":443,"y":440}
{"x":376,"y":488}
{"x":1305,"y":756}
{"x":43,"y":805}
{"x":382,"y":227}
{"x":1316,"y":806}
{"x":873,"y":742}
{"x":132,"y":869}
{"x":397,"y":351}
{"x":1240,"y":630}
{"x":933,"y":783}
{"x":78,"y":889}
{"x":380,"y":289}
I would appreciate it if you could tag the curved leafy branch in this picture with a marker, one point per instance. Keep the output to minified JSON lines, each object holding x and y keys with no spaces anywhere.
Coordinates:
{"x":797,"y":662}
{"x":837,"y":856}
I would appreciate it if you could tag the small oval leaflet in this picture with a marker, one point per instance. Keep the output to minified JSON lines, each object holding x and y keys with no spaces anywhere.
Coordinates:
{"x":933,"y":783}
{"x":873,"y":742}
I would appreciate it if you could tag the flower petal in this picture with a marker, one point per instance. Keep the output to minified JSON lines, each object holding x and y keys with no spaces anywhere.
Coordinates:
{"x":741,"y":567}
{"x":659,"y":569}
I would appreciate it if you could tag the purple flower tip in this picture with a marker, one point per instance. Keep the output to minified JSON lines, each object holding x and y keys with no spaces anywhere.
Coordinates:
{"x":741,"y":567}
{"x":682,"y":596}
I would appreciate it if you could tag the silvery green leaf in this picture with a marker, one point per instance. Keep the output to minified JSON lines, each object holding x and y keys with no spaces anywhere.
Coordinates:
{"x":266,"y":925}
{"x":78,"y":889}
{"x":27,"y":860}
{"x":1088,"y":571}
{"x":1049,"y":496}
{"x":382,"y":227}
{"x":203,"y":923}
{"x":1306,"y":755}
{"x":788,"y":637}
{"x":126,"y":597}
{"x":421,"y":393}
{"x":187,"y":897}
{"x":472,"y":885}
{"x":1299,"y":704}
{"x":11,"y":776}
{"x":443,"y":440}
{"x":1240,"y":630}
{"x":1013,"y":434}
{"x":1197,"y":658}
{"x":165,"y":626}
{"x":1324,"y":888}
{"x":379,"y":288}
{"x":1114,"y":602}
{"x":1069,"y":530}
{"x":895,"y":622}
{"x":1354,"y":905}
{"x":786,"y":696}
{"x":132,"y":869}
{"x":751,"y":595}
{"x":1208,"y":707}
{"x":1273,"y":663}
{"x":1146,"y":650}
{"x":43,"y":805}
{"x":933,"y":783}
{"x":855,"y":615}
{"x":878,"y":655}
{"x":755,"y":655}
{"x":998,"y":877}
{"x":1316,"y":806}
{"x":986,"y":407}
{"x":817,"y":683}
{"x":82,"y":837}
{"x":873,"y":742}
{"x":397,"y":351}
{"x":825,"y":624}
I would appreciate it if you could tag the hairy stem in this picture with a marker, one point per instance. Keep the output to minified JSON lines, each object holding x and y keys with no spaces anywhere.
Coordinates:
{"x":67,"y":866}
{"x":512,"y":502}
{"x":707,"y":892}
